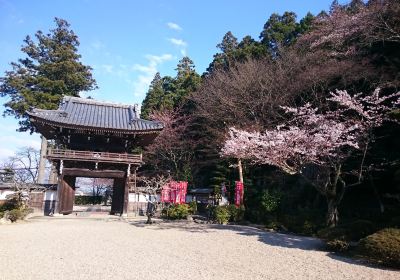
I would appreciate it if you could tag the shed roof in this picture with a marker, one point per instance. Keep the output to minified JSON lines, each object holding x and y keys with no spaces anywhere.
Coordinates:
{"x":75,"y":112}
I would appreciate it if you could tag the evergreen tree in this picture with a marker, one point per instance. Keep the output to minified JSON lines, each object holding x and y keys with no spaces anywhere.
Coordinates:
{"x":186,"y":81}
{"x":153,"y":96}
{"x":167,"y":93}
{"x":50,"y":70}
{"x":229,"y":43}
{"x":233,"y":52}
{"x":282,"y":31}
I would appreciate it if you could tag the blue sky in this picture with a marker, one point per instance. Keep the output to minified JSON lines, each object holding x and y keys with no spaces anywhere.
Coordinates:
{"x":127,"y":42}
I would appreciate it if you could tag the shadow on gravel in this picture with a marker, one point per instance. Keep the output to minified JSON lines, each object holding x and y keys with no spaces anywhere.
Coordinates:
{"x":270,"y":238}
{"x":358,"y":261}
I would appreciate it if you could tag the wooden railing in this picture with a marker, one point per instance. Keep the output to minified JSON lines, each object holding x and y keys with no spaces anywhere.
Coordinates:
{"x":94,"y":156}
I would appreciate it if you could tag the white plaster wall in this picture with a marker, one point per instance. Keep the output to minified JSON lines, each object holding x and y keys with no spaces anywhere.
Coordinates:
{"x":4,"y":193}
{"x":50,"y":195}
{"x":140,"y":198}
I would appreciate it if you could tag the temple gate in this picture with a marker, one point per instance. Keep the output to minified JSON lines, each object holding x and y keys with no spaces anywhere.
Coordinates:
{"x":94,"y":139}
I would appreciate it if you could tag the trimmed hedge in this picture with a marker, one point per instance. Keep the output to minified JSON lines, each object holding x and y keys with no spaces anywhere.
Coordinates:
{"x":236,"y":214}
{"x":348,"y":232}
{"x":88,"y":199}
{"x":382,"y":247}
{"x":176,"y":211}
{"x":221,"y":214}
{"x":337,"y":245}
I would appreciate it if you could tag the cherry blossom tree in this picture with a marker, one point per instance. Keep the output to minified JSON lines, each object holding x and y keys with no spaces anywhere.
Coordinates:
{"x":316,"y":144}
{"x":172,"y":150}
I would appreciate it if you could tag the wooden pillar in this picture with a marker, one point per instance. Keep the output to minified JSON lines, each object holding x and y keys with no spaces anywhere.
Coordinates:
{"x":66,"y":194}
{"x":42,"y":161}
{"x":126,"y":197}
{"x":118,"y":197}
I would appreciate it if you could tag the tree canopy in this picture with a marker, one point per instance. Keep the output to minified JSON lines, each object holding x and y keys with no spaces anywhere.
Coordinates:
{"x":167,"y":93}
{"x":50,"y":70}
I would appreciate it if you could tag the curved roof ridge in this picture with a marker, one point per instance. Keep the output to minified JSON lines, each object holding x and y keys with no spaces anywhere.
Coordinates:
{"x":95,"y":102}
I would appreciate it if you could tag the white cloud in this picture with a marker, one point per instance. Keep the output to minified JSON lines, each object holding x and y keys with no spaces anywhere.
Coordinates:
{"x":97,"y":45}
{"x":108,"y":68}
{"x":142,"y":82}
{"x":174,"y":26}
{"x":178,"y":42}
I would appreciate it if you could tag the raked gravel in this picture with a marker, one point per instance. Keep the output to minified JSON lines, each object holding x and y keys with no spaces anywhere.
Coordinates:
{"x":110,"y":249}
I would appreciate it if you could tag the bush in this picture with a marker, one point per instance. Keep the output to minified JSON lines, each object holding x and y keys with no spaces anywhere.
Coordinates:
{"x":270,"y":200}
{"x":382,"y":247}
{"x":87,"y":200}
{"x":15,"y":214}
{"x":177,"y":211}
{"x":236,"y":214}
{"x":221,"y":214}
{"x":8,"y":205}
{"x":353,"y":231}
{"x":299,"y":224}
{"x":193,"y":207}
{"x":337,"y":245}
{"x":336,"y":233}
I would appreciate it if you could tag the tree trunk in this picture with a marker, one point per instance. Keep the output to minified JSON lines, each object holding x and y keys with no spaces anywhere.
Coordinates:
{"x":240,"y":171}
{"x":332,"y":218}
{"x":149,"y":221}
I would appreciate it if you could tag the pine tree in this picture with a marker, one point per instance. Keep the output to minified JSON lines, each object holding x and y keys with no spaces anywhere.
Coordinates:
{"x":51,"y":69}
{"x":229,"y":43}
{"x":153,"y":96}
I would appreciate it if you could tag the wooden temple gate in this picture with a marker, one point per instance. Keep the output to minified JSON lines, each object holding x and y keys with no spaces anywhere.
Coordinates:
{"x":124,"y":178}
{"x":94,"y":139}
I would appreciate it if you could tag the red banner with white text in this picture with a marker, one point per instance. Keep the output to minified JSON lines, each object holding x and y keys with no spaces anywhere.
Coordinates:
{"x":239,"y":190}
{"x":174,"y":192}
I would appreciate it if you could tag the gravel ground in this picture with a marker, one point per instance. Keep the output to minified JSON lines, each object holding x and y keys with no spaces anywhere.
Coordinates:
{"x":108,"y":249}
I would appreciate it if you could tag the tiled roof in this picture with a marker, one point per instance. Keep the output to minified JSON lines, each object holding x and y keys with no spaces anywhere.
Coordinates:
{"x":80,"y":113}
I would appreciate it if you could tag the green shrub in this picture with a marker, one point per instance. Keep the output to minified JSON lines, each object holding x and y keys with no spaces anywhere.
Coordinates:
{"x":353,"y":231}
{"x":299,"y":224}
{"x":270,"y":200}
{"x":15,"y":214}
{"x":221,"y":214}
{"x":177,"y":211}
{"x":382,"y":247}
{"x":87,"y":200}
{"x":8,"y":205}
{"x":192,"y":207}
{"x":336,"y":233}
{"x":236,"y":214}
{"x":337,"y":245}
{"x":273,"y":225}
{"x":1,"y":214}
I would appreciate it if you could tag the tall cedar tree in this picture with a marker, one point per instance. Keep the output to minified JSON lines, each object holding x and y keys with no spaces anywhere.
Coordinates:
{"x":282,"y":31}
{"x":50,"y":70}
{"x":233,"y":52}
{"x":167,"y":93}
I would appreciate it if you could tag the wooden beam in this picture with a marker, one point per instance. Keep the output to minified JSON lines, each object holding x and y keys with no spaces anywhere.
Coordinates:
{"x":89,"y":173}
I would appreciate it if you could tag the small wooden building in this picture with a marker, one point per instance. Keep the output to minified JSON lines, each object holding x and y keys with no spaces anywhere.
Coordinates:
{"x":94,"y":139}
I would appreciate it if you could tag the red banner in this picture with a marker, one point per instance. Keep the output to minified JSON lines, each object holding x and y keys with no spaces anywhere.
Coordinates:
{"x":174,"y":192}
{"x":239,"y":190}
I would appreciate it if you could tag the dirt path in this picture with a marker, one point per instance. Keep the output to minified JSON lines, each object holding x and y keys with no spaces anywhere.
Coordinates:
{"x":100,"y":249}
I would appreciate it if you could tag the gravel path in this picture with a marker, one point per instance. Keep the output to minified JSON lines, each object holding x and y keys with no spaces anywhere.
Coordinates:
{"x":100,"y":249}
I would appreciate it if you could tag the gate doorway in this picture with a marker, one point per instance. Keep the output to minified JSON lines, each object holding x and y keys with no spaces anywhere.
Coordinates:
{"x":75,"y":184}
{"x":93,"y":195}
